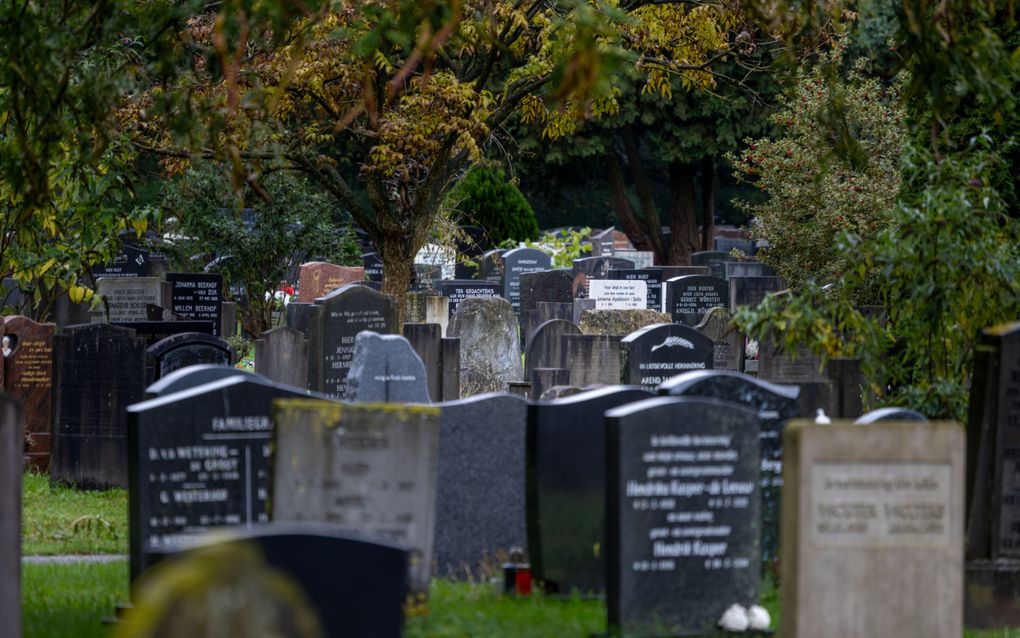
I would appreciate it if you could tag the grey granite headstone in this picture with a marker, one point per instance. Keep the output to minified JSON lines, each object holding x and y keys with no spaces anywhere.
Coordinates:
{"x":490,"y":346}
{"x":543,"y":349}
{"x":656,"y":353}
{"x":549,"y":310}
{"x":554,"y":286}
{"x":449,"y":358}
{"x":690,"y":298}
{"x":591,"y":359}
{"x":729,"y":342}
{"x":682,"y":515}
{"x":386,"y":369}
{"x":281,"y":355}
{"x":366,"y":468}
{"x":11,"y":438}
{"x":480,"y":492}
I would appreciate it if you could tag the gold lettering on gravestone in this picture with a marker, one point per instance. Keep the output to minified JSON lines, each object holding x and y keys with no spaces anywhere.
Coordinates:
{"x":35,"y":363}
{"x":880,"y":505}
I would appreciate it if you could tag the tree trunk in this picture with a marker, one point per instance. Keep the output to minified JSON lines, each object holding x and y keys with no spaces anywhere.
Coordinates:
{"x":707,"y":202}
{"x":640,"y":234}
{"x":682,"y":223}
{"x":397,"y":253}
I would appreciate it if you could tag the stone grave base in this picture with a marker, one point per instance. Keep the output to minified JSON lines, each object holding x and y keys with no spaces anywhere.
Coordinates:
{"x":992,"y":594}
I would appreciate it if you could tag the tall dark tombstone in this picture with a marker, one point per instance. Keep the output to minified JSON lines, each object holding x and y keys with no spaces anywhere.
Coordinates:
{"x":689,"y":298}
{"x":385,"y":369}
{"x":281,"y":355}
{"x":566,"y":488}
{"x":100,"y":371}
{"x":554,"y":286}
{"x":529,"y":321}
{"x":653,"y":280}
{"x":480,"y":483}
{"x":802,"y":367}
{"x":992,"y":591}
{"x":457,"y":290}
{"x":591,"y":359}
{"x":28,"y":377}
{"x":197,"y":297}
{"x":182,"y":350}
{"x":373,"y":265}
{"x":594,"y":268}
{"x":714,"y":260}
{"x":751,"y":291}
{"x":368,"y":602}
{"x":775,"y":405}
{"x":748,"y":269}
{"x":449,"y":357}
{"x":491,"y":268}
{"x":194,"y":376}
{"x":11,"y":436}
{"x":654,"y":354}
{"x":729,"y":341}
{"x":682,"y":519}
{"x":544,"y":349}
{"x":339,"y":317}
{"x":198,"y":459}
{"x":602,"y":243}
{"x":425,"y":339}
{"x":516,"y":263}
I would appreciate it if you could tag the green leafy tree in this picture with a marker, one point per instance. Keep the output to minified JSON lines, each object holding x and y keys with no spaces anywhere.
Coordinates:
{"x":485,"y":198}
{"x":255,"y":241}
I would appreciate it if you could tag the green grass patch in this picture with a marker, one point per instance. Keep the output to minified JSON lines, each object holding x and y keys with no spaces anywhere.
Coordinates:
{"x":64,"y":600}
{"x":57,"y":519}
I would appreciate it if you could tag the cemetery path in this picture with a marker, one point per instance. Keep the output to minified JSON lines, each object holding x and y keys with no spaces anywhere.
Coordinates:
{"x":75,"y":558}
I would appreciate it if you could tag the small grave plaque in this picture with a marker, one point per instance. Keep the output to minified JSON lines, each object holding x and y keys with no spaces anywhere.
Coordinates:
{"x":690,"y":298}
{"x":369,"y":469}
{"x":618,"y":294}
{"x":656,"y":353}
{"x":682,"y":515}
{"x":516,"y":263}
{"x":197,"y":297}
{"x":28,"y":376}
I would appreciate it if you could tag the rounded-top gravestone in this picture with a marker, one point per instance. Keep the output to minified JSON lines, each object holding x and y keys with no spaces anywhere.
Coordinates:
{"x":385,"y":368}
{"x":653,"y":354}
{"x":185,"y":349}
{"x":489,"y":345}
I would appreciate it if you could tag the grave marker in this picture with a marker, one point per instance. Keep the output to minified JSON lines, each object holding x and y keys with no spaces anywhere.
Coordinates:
{"x":373,"y":265}
{"x":652,"y":277}
{"x":654,"y":354}
{"x":28,"y":377}
{"x":459,"y":290}
{"x":197,"y":297}
{"x":591,"y":359}
{"x":182,"y":350}
{"x":590,"y":268}
{"x":194,"y":376}
{"x":619,"y":323}
{"x":490,"y":346}
{"x":127,"y":299}
{"x":748,"y":269}
{"x":610,"y":294}
{"x":319,"y":278}
{"x":554,"y":286}
{"x":714,"y":260}
{"x":729,"y":342}
{"x":751,"y":291}
{"x":516,"y":263}
{"x":281,"y":356}
{"x":689,"y":298}
{"x":385,"y":369}
{"x":544,"y":349}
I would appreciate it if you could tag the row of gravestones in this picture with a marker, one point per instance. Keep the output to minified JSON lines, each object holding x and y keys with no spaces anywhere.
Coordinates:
{"x":75,"y":385}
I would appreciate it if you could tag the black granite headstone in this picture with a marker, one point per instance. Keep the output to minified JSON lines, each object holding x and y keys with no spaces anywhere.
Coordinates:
{"x":554,"y":286}
{"x":774,"y":405}
{"x":373,"y":266}
{"x":100,"y":370}
{"x":197,"y":297}
{"x":689,"y":298}
{"x":566,"y":488}
{"x":198,"y":459}
{"x":155,"y":331}
{"x":470,"y":245}
{"x":299,"y":317}
{"x":682,"y":519}
{"x":11,"y":439}
{"x":182,"y":350}
{"x":516,"y":263}
{"x":492,"y":265}
{"x":131,"y":262}
{"x":544,"y":378}
{"x":653,"y":354}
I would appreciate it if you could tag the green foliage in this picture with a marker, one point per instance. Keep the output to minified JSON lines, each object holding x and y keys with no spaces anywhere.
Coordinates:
{"x":487,"y":199}
{"x":57,"y":519}
{"x":254,"y":241}
{"x":819,"y":184}
{"x":565,"y":246}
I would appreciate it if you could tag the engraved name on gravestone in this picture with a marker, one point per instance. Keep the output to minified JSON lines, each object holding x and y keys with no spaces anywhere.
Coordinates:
{"x":365,"y":468}
{"x":682,"y":515}
{"x":126,"y":299}
{"x":339,"y":317}
{"x":185,"y":349}
{"x":198,"y":459}
{"x":689,"y":298}
{"x":589,"y":268}
{"x":480,"y":493}
{"x":653,"y":284}
{"x":566,"y":488}
{"x":28,"y":376}
{"x":281,"y":355}
{"x":319,"y":278}
{"x":618,"y":294}
{"x":197,"y":296}
{"x":385,"y":368}
{"x":656,"y":353}
{"x":881,"y":507}
{"x":458,"y":290}
{"x":774,"y":405}
{"x":516,"y":263}
{"x":11,"y":437}
{"x":100,"y":371}
{"x":373,"y":265}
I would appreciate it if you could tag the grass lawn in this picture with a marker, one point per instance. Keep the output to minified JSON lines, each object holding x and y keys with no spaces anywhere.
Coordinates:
{"x":63,"y":520}
{"x":70,"y":601}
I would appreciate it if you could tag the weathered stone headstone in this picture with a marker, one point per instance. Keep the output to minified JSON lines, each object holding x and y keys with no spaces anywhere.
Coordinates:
{"x":10,"y":514}
{"x":748,"y":269}
{"x":873,"y":520}
{"x":682,"y":500}
{"x":591,"y":359}
{"x":729,"y":342}
{"x":228,"y":319}
{"x":689,"y":298}
{"x":385,"y":369}
{"x":554,"y":286}
{"x":618,"y":294}
{"x":993,"y":491}
{"x":198,"y":458}
{"x":654,"y":354}
{"x":480,"y":491}
{"x":459,"y":290}
{"x":774,"y":405}
{"x":100,"y":370}
{"x":182,"y":350}
{"x":364,"y":468}
{"x":127,"y":299}
{"x":751,"y":291}
{"x":566,"y":488}
{"x":197,"y":297}
{"x":28,"y":377}
{"x":194,"y":376}
{"x":619,"y":323}
{"x":373,"y":265}
{"x":281,"y":355}
{"x":714,"y":260}
{"x":580,"y":307}
{"x":516,"y":263}
{"x":338,"y":318}
{"x":652,"y":277}
{"x":490,"y":346}
{"x":543,"y":349}
{"x":589,"y":268}
{"x":890,"y":414}
{"x":319,"y":278}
